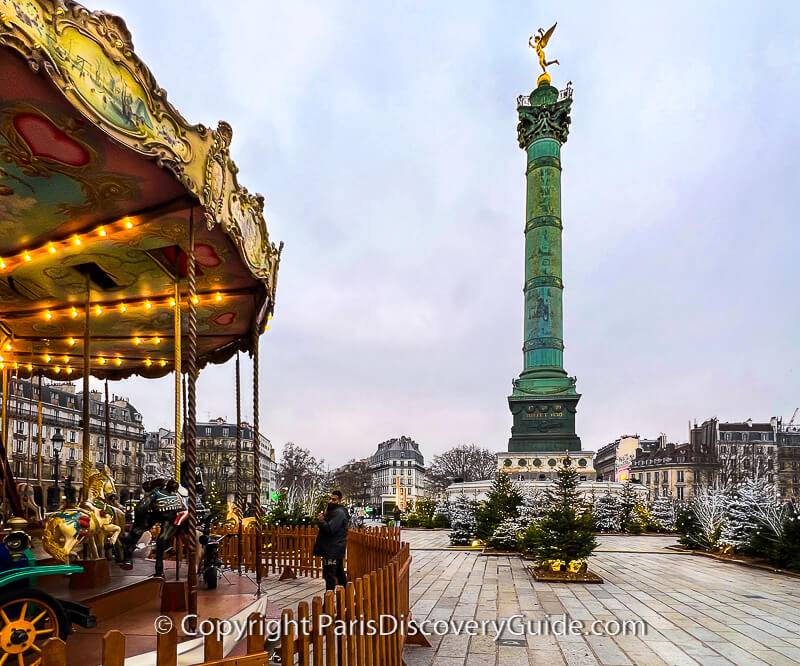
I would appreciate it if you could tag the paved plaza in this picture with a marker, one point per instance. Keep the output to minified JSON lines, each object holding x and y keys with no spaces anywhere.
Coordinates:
{"x":697,"y":610}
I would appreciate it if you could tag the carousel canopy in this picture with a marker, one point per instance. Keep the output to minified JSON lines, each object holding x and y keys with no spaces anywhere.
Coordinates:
{"x":100,"y":178}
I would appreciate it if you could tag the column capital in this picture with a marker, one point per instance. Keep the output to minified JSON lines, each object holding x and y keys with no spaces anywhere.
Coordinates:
{"x":544,"y":114}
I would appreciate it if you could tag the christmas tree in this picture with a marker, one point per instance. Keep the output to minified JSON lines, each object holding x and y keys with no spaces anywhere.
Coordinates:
{"x":628,"y":500}
{"x":534,"y":506}
{"x":754,"y":518}
{"x":441,"y":514}
{"x":505,"y":535}
{"x":502,"y":502}
{"x":662,"y":513}
{"x":607,"y":512}
{"x":462,"y":520}
{"x":566,"y":532}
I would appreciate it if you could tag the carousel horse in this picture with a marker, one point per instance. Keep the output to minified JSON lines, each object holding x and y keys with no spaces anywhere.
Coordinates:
{"x":92,"y":522}
{"x":233,"y":516}
{"x":164,"y":502}
{"x":31,"y":511}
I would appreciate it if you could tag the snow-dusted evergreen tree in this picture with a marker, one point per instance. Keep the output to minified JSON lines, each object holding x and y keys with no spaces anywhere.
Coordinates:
{"x":606,"y":512}
{"x":462,"y":520}
{"x":755,"y":517}
{"x":506,"y":535}
{"x":534,"y":506}
{"x":628,"y":499}
{"x":442,"y":509}
{"x":662,"y":513}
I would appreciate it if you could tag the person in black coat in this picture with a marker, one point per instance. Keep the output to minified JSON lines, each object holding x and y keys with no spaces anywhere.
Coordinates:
{"x":331,"y":542}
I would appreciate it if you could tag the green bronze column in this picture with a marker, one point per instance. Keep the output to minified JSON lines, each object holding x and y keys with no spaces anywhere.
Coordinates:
{"x":544,"y":399}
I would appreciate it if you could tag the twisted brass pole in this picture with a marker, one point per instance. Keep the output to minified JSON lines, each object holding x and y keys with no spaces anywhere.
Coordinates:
{"x":239,"y":498}
{"x":190,"y":445}
{"x":257,"y":456}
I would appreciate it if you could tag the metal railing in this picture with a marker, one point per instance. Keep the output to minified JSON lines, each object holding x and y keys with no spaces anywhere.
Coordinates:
{"x":566,"y":93}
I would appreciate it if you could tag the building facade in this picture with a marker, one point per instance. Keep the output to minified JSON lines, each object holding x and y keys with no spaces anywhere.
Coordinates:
{"x":789,"y":462}
{"x":62,"y":412}
{"x":674,"y":470}
{"x":612,"y":462}
{"x":216,"y":454}
{"x":743,"y":449}
{"x":398,"y":474}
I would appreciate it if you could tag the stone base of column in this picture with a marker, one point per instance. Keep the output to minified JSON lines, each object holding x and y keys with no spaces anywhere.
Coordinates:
{"x":543,"y":423}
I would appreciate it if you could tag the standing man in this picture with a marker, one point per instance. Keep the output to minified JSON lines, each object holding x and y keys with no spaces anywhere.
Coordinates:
{"x":331,"y":542}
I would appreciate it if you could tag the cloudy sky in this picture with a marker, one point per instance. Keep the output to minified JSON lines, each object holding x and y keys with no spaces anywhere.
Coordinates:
{"x":383,"y":137}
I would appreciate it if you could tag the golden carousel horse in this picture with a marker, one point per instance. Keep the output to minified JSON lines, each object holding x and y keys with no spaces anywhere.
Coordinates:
{"x":233,"y":516}
{"x":93,"y":522}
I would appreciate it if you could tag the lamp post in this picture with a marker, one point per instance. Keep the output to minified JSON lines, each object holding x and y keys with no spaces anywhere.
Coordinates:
{"x":54,"y":493}
{"x":226,"y":473}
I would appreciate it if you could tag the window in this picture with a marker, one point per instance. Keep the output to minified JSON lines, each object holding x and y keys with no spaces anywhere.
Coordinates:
{"x":648,"y":478}
{"x":679,"y":492}
{"x":727,"y":437}
{"x":680,"y":476}
{"x":72,"y":436}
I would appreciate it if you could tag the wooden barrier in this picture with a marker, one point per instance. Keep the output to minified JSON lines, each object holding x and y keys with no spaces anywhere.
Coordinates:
{"x":377,"y":566}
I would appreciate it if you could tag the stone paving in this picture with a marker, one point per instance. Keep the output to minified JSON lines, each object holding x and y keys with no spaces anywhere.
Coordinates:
{"x":697,"y":610}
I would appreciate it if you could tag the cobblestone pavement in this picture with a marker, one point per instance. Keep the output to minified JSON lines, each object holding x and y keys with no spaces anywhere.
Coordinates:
{"x":697,"y":610}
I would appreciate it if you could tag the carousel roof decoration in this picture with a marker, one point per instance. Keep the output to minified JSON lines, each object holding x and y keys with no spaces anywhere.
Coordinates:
{"x":99,"y":178}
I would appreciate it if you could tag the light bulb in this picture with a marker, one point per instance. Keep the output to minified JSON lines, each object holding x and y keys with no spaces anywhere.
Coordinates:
{"x":27,"y":256}
{"x":71,"y":342}
{"x":73,"y":313}
{"x":147,"y":305}
{"x":51,"y":248}
{"x":48,"y":315}
{"x":101,"y":231}
{"x":123,"y":307}
{"x":76,"y":240}
{"x":98,"y":310}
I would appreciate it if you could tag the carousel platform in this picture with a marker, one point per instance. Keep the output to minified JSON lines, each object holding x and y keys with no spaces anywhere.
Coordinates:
{"x":131,"y":602}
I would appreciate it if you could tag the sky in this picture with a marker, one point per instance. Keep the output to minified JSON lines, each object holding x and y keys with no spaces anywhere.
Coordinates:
{"x":383,"y":136}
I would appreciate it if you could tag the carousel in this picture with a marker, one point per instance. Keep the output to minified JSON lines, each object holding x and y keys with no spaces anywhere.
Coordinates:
{"x":127,"y":248}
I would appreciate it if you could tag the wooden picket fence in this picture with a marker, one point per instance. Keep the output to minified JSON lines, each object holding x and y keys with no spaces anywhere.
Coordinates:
{"x":378,"y":565}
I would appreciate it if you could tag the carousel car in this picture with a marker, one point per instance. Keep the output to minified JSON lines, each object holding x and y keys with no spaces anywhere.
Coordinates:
{"x":29,"y":616}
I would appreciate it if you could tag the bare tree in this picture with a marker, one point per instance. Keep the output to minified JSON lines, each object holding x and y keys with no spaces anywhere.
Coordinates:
{"x":298,"y":468}
{"x":351,"y":477}
{"x":467,"y":462}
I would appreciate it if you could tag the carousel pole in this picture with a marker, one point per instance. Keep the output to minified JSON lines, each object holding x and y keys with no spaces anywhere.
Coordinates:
{"x":39,"y":460}
{"x":177,"y":327}
{"x":257,"y":459}
{"x":191,"y":423}
{"x":239,"y":499}
{"x":29,"y":448}
{"x":87,"y":463}
{"x":4,"y":428}
{"x":108,"y":431}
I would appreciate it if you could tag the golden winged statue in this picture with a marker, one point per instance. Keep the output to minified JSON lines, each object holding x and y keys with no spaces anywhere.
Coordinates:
{"x":539,"y":42}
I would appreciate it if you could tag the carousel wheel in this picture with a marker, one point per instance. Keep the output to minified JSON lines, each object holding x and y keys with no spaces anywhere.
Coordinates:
{"x":27,"y":619}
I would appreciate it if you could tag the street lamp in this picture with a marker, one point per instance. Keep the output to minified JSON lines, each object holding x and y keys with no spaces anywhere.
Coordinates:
{"x":226,"y":472}
{"x":54,"y":493}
